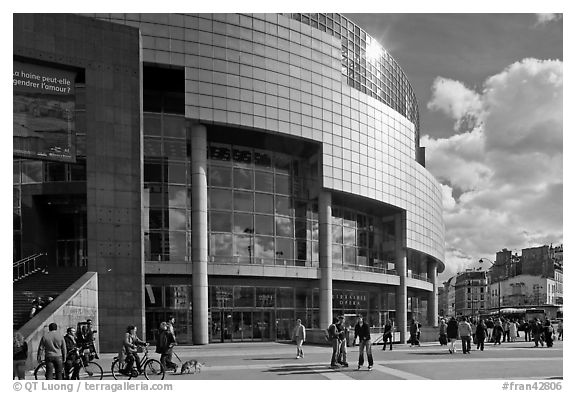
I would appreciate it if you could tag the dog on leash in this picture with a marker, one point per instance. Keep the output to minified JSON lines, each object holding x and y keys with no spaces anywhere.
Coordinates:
{"x":191,"y":367}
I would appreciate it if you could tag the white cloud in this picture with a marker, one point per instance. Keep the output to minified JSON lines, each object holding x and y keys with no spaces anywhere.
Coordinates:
{"x":545,"y":18}
{"x":502,"y":180}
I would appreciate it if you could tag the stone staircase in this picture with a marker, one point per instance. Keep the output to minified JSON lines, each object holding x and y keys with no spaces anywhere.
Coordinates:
{"x":48,"y":282}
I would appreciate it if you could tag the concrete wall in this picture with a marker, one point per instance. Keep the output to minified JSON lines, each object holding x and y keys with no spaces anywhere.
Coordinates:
{"x":77,"y":304}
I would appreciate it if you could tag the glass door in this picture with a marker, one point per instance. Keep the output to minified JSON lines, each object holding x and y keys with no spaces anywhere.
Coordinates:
{"x":262,"y":327}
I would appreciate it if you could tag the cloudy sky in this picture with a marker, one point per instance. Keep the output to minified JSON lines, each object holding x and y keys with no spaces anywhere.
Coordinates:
{"x":489,"y":88}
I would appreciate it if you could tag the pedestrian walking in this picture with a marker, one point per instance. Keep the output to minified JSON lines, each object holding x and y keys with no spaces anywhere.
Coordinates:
{"x":332,"y":336}
{"x":342,"y":330}
{"x":481,"y":332}
{"x":166,"y":342}
{"x":527,"y":330}
{"x":362,"y":331}
{"x":299,"y":336}
{"x":53,"y":347}
{"x":443,"y":338}
{"x":452,"y":334}
{"x":489,"y":329}
{"x":465,"y":333}
{"x":506,"y":328}
{"x":513,"y":330}
{"x":560,"y":330}
{"x":20,"y":354}
{"x":498,"y":332}
{"x":536,"y":330}
{"x":388,"y":334}
{"x":414,"y":332}
{"x":548,"y":331}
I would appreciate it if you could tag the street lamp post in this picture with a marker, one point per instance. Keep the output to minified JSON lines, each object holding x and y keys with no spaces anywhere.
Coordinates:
{"x":492,"y":264}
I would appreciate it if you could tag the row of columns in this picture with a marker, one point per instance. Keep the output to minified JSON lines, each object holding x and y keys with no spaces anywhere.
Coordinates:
{"x":199,"y":218}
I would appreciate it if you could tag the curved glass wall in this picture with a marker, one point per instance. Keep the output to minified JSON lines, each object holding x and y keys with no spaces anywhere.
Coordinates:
{"x":366,"y":65}
{"x":260,"y":211}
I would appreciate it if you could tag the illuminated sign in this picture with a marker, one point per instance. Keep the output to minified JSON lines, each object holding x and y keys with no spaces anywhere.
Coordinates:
{"x":43,"y":112}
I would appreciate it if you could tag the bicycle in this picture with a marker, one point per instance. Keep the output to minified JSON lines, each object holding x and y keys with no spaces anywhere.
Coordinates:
{"x":88,"y":369}
{"x":151,"y":368}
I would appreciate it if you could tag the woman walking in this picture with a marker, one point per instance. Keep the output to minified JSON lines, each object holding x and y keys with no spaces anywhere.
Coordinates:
{"x":481,"y":331}
{"x":452,"y":334}
{"x":442,"y":332}
{"x":20,"y":354}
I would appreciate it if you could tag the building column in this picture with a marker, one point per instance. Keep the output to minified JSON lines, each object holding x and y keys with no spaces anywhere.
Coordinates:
{"x":199,"y":218}
{"x":325,"y":255}
{"x":401,"y":290}
{"x":433,"y":296}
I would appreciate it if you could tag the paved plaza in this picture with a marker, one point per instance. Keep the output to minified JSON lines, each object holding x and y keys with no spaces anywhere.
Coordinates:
{"x":269,"y":361}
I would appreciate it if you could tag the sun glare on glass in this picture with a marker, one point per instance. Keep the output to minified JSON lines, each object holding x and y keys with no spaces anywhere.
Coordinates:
{"x":373,"y":51}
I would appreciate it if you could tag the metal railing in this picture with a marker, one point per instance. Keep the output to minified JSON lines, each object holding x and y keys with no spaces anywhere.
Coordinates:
{"x":26,"y":266}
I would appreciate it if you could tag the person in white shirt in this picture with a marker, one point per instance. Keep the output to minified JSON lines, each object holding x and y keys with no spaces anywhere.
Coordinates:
{"x":299,"y":336}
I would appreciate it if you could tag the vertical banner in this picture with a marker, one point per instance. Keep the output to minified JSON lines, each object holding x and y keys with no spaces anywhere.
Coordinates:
{"x":43,"y":112}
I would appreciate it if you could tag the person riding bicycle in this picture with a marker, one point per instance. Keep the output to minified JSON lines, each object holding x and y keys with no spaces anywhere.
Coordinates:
{"x":85,"y":339}
{"x":130,"y":347}
{"x":73,"y":361}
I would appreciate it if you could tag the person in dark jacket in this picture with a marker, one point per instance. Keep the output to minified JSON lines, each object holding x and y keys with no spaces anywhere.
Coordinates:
{"x":388,"y":329}
{"x":164,"y":347}
{"x":362,"y":331}
{"x":452,"y":334}
{"x":73,"y":361}
{"x":536,"y":329}
{"x":20,"y":354}
{"x":548,"y":331}
{"x":481,"y":332}
{"x":414,"y":332}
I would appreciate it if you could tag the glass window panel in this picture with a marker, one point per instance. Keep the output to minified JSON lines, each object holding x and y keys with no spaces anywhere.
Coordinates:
{"x":175,"y":149}
{"x":349,"y":255}
{"x":265,"y":297}
{"x":220,"y":152}
{"x":177,"y":219}
{"x":300,"y":229}
{"x":264,"y":247}
{"x":155,"y":246}
{"x":243,"y":297}
{"x":175,"y":126}
{"x":336,"y":234}
{"x":285,"y":297}
{"x":220,"y":176}
{"x":156,"y":194}
{"x":349,"y":218}
{"x":314,"y":251}
{"x":312,"y":230}
{"x":283,"y":184}
{"x":303,"y":298}
{"x":221,"y":244}
{"x":349,"y":236}
{"x":176,"y":173}
{"x":242,"y":157}
{"x":264,"y":181}
{"x":221,"y":297}
{"x":284,"y":227}
{"x":243,"y":223}
{"x":284,"y":206}
{"x":243,"y":201}
{"x":155,"y":220}
{"x":264,"y":203}
{"x":300,"y":209}
{"x":152,"y":172}
{"x":177,"y":196}
{"x":243,"y":178}
{"x":284,"y":249}
{"x":16,"y":171}
{"x":221,"y":221}
{"x":282,"y":164}
{"x":264,"y":225}
{"x":56,"y":171}
{"x":301,"y":250}
{"x":152,"y":124}
{"x":243,"y":248}
{"x":177,"y":245}
{"x":262,"y":159}
{"x":336,"y":255}
{"x":220,"y":199}
{"x":152,"y":147}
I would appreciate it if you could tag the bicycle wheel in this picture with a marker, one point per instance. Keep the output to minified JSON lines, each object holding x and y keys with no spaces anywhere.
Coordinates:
{"x":153,"y":369}
{"x":91,"y":371}
{"x":40,"y":371}
{"x":116,"y":367}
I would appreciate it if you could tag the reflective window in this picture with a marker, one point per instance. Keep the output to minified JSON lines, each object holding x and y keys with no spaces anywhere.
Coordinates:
{"x":220,"y":199}
{"x":220,"y":176}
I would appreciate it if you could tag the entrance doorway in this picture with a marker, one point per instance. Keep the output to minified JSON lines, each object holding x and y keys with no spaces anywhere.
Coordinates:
{"x":240,"y":326}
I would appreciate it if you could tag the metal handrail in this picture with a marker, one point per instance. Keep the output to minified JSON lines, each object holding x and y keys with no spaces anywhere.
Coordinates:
{"x":26,"y":266}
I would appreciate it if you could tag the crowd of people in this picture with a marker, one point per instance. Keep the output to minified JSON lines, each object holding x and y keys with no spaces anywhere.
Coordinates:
{"x":495,"y":330}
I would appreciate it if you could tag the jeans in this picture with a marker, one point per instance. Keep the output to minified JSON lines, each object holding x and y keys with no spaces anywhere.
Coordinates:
{"x":368,"y":345}
{"x":465,"y":344}
{"x":19,"y":369}
{"x":343,"y":351}
{"x":166,"y":360}
{"x":130,"y":359}
{"x":335,"y":351}
{"x":299,"y":343}
{"x":73,"y":363}
{"x":453,"y":344}
{"x":480,"y":343}
{"x":54,"y":367}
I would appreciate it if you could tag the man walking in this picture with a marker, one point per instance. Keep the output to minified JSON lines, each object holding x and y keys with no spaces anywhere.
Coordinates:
{"x":342,"y":344}
{"x":333,"y":338}
{"x":465,"y":333}
{"x":362,"y":331}
{"x":54,"y":348}
{"x":299,"y":336}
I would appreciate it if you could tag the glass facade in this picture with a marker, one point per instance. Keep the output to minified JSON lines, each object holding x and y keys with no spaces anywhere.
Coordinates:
{"x":260,"y":208}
